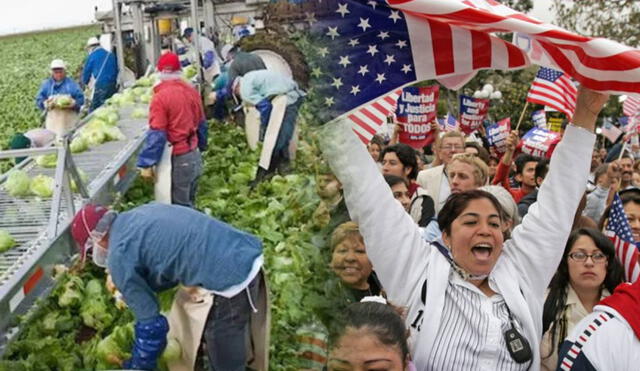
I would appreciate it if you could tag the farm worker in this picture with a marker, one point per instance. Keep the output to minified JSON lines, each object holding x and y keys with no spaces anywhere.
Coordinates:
{"x":58,"y":119}
{"x":58,"y":84}
{"x":100,"y":73}
{"x":277,"y":97}
{"x":238,"y":63}
{"x":210,"y":58}
{"x":243,"y":62}
{"x":177,"y":129}
{"x":34,"y":138}
{"x":155,"y":247}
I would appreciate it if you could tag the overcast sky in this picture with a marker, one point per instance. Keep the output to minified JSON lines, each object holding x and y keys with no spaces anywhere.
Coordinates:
{"x":32,"y":15}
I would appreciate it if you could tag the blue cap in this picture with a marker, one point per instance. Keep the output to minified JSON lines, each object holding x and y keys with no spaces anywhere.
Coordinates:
{"x":187,"y":32}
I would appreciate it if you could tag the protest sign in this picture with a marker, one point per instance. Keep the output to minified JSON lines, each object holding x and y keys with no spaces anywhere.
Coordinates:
{"x":415,"y":111}
{"x":539,"y":119}
{"x":539,"y":142}
{"x":555,"y":124}
{"x":497,"y":134}
{"x":472,"y":113}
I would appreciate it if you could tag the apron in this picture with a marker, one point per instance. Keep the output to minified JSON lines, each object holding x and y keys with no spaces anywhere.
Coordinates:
{"x":279,"y":104}
{"x":60,"y":121}
{"x":252,"y":126}
{"x":162,"y":187}
{"x":188,"y":318}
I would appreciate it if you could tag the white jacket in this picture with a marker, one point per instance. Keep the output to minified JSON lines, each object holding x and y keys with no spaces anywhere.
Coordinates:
{"x":403,"y":260}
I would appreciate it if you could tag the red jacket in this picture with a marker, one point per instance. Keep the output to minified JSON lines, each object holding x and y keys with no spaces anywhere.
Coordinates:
{"x":502,"y":178}
{"x":176,"y":108}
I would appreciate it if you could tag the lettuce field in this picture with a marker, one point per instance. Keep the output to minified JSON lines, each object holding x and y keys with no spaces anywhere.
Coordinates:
{"x":68,"y":331}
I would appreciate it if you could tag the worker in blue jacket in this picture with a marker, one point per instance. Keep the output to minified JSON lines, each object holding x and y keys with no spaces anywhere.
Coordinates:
{"x":257,"y":88}
{"x":59,"y":84}
{"x":101,"y":71}
{"x":155,"y":247}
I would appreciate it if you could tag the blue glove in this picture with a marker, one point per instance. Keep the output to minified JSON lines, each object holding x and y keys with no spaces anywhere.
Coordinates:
{"x":208,"y":58}
{"x":264,"y":107}
{"x":203,"y":136}
{"x":182,"y":50}
{"x":150,"y":341}
{"x":153,"y":147}
{"x":185,"y":63}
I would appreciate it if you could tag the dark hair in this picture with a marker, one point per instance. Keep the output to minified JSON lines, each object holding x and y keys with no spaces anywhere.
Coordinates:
{"x":494,"y":158}
{"x":394,"y":179}
{"x":406,"y":155}
{"x":457,"y":202}
{"x":522,"y":160}
{"x":380,"y":319}
{"x":542,"y":168}
{"x":631,"y":195}
{"x":377,"y":139}
{"x":600,"y":171}
{"x":483,"y":154}
{"x":553,"y":318}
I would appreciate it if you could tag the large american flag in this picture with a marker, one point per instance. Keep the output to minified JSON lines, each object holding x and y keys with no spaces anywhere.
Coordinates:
{"x":366,"y":49}
{"x":596,"y":63}
{"x":619,"y":231}
{"x":553,"y":89}
{"x":631,"y":106}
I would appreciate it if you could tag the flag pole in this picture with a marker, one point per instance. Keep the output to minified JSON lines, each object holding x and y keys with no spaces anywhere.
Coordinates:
{"x":522,"y":115}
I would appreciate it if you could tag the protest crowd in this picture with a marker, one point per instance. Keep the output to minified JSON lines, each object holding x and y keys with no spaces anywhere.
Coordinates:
{"x":457,"y":243}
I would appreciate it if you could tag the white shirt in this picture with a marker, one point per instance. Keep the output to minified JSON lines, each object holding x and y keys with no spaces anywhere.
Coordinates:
{"x":613,"y":346}
{"x":471,"y":335}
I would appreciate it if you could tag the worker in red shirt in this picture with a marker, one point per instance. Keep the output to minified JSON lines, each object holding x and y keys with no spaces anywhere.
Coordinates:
{"x":525,"y":170}
{"x":176,"y":123}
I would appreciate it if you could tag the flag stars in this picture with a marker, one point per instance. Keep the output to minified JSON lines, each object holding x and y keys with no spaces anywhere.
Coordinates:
{"x":355,"y":89}
{"x":383,"y":35}
{"x":354,"y":42}
{"x":401,"y":44}
{"x":380,"y":78}
{"x":344,"y":61}
{"x":395,"y":16}
{"x":373,"y":49}
{"x":373,"y":3}
{"x":311,"y":18}
{"x":389,"y":59}
{"x":329,"y":101}
{"x":342,"y":9}
{"x":316,"y":72}
{"x":333,"y":32}
{"x":364,"y":24}
{"x":337,"y":83}
{"x":323,"y":51}
{"x":363,"y":70}
{"x":406,"y":68}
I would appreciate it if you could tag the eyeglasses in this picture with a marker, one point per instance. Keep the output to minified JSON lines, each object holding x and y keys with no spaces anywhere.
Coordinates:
{"x":581,"y":257}
{"x":451,"y":147}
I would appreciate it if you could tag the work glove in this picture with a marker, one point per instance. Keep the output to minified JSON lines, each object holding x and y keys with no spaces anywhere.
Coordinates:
{"x":150,"y":341}
{"x":148,"y":174}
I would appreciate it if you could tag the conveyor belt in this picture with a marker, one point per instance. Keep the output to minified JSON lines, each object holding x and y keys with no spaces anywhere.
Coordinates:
{"x":106,"y":166}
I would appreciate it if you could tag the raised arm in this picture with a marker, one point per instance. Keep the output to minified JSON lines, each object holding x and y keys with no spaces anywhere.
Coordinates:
{"x":538,"y":243}
{"x":393,"y":240}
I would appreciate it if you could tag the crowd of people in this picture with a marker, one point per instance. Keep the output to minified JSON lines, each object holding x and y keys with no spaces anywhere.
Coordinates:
{"x":513,"y":266}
